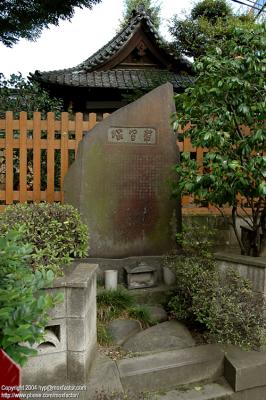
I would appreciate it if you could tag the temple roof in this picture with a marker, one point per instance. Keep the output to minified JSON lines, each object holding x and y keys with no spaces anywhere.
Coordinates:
{"x":122,"y":79}
{"x":107,"y":67}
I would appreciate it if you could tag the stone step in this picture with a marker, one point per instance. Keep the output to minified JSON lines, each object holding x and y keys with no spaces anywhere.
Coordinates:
{"x":169,"y":369}
{"x":211,"y":391}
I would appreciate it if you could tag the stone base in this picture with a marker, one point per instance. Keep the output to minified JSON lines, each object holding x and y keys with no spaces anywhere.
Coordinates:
{"x":67,"y":355}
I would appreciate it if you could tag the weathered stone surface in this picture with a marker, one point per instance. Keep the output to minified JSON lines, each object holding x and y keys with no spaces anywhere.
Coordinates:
{"x":251,"y":268}
{"x":210,"y":391}
{"x":69,"y":349}
{"x":104,"y":377}
{"x":120,"y":181}
{"x":168,"y":369}
{"x":245,"y":369}
{"x":45,"y":368}
{"x":122,"y":329}
{"x":157,"y":313}
{"x":167,"y":335}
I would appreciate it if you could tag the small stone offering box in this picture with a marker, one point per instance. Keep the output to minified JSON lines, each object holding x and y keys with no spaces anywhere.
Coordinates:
{"x":140,"y":276}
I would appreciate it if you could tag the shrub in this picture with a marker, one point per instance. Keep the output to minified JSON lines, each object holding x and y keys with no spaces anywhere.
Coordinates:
{"x":223,"y":302}
{"x":54,"y":231}
{"x":23,"y":309}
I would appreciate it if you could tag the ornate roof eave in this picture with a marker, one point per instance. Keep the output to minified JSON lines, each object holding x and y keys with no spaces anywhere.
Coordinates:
{"x":114,"y":46}
{"x":109,"y":50}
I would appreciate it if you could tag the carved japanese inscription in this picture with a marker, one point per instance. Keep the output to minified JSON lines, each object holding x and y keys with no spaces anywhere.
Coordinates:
{"x":132,"y":135}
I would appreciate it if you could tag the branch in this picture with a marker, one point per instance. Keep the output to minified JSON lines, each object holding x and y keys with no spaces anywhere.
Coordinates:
{"x":244,"y":219}
{"x":235,"y":120}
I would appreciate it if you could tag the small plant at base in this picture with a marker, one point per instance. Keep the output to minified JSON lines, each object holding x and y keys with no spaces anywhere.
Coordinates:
{"x":112,"y":304}
{"x":54,"y":231}
{"x":23,"y":309}
{"x":142,"y":314}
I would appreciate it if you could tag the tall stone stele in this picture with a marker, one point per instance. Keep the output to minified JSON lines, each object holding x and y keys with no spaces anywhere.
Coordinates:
{"x":121,"y":179}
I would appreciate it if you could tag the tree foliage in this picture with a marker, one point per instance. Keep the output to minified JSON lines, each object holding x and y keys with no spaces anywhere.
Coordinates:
{"x":19,"y":94}
{"x":27,"y":18}
{"x":209,"y":21}
{"x":150,"y":6}
{"x":224,"y":112}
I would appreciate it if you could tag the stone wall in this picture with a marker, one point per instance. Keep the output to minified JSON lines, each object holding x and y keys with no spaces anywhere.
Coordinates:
{"x":252,"y":268}
{"x":70,"y":344}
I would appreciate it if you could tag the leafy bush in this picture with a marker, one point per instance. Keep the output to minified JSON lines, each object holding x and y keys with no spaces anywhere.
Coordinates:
{"x":223,"y":302}
{"x":23,"y":309}
{"x":54,"y":231}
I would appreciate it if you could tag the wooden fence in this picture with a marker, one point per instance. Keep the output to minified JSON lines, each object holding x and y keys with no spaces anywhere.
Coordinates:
{"x":35,"y":155}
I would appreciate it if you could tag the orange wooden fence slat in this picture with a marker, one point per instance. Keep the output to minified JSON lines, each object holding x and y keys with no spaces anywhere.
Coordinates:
{"x":23,"y":157}
{"x":50,"y":157}
{"x":37,"y":157}
{"x":64,"y":151}
{"x":92,"y":120}
{"x":78,"y":130}
{"x":9,"y":157}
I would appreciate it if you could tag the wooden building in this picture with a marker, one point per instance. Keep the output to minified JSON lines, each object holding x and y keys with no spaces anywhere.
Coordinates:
{"x":136,"y":59}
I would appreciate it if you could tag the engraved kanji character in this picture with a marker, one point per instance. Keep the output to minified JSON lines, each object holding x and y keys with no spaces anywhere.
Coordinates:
{"x":133,"y":134}
{"x":147,"y":135}
{"x":118,"y":134}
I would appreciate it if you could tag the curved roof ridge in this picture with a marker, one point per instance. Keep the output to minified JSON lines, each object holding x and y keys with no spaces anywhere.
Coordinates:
{"x":121,"y":37}
{"x":114,"y":44}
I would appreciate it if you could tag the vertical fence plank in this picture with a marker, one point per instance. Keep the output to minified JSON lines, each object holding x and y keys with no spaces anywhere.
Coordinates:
{"x":64,"y":150}
{"x":92,"y":120}
{"x":78,"y":129}
{"x":199,"y":158}
{"x":23,"y":157}
{"x":9,"y":157}
{"x":37,"y":157}
{"x":50,"y":157}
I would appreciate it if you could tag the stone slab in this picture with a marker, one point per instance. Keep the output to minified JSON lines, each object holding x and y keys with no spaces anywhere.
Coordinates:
{"x":121,"y":179}
{"x":122,"y":329}
{"x":104,"y":377}
{"x":168,"y":369}
{"x":256,"y":393}
{"x":163,"y":336}
{"x":209,"y":391}
{"x":245,"y":369}
{"x":45,"y":369}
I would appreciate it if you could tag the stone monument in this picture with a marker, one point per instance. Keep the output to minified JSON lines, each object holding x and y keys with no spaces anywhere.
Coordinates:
{"x":121,"y":179}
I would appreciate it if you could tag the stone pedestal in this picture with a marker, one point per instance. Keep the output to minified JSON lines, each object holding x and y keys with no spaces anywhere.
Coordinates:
{"x":69,"y":348}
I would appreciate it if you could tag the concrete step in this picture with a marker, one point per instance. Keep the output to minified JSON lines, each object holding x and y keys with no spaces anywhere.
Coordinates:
{"x":210,"y":391}
{"x":169,"y":369}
